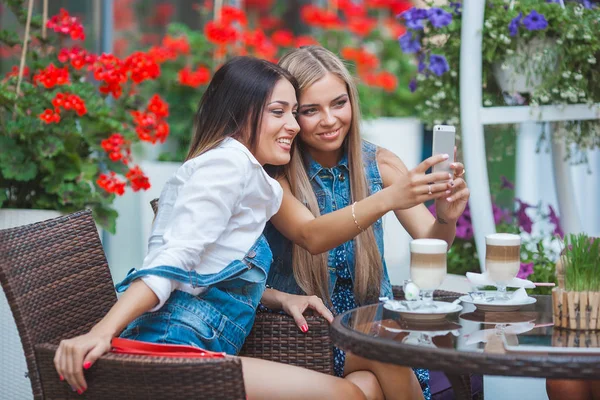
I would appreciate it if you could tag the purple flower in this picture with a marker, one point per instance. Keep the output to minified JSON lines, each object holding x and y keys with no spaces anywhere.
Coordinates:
{"x":438,"y":64}
{"x":535,"y":21}
{"x":409,"y":43}
{"x":525,"y":270}
{"x":506,"y":184}
{"x":524,"y":221}
{"x":438,"y":17}
{"x":457,"y":7}
{"x":588,"y":4}
{"x":556,"y":221}
{"x":513,"y":26}
{"x":500,"y":214}
{"x":412,"y":85}
{"x":414,"y":18}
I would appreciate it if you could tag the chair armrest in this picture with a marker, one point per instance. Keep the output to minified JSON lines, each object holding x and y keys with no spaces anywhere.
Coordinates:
{"x":276,"y":337}
{"x":124,"y":376}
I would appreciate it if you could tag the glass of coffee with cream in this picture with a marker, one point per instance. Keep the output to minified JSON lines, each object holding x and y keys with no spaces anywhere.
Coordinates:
{"x":428,"y":265}
{"x":502,"y":260}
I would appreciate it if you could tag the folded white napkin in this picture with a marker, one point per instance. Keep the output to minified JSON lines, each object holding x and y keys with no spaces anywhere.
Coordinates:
{"x":485,"y":280}
{"x":485,"y":334}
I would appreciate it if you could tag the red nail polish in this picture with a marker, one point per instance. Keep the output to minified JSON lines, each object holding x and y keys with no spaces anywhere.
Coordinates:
{"x":87,"y":365}
{"x":304,"y":328}
{"x":62,"y":378}
{"x":79,"y":391}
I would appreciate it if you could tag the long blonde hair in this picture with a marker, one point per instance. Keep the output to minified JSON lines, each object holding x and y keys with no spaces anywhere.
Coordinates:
{"x":308,"y":65}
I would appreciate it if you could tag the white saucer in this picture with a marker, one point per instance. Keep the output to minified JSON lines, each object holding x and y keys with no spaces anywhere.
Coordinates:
{"x":423,"y":314}
{"x":496,"y":305}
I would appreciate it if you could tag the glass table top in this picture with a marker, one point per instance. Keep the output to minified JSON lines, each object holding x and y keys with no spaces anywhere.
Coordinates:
{"x":527,"y":331}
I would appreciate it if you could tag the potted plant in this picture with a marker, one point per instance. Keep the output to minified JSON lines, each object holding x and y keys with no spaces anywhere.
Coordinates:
{"x":68,"y":118}
{"x":561,"y":74}
{"x":576,"y":300}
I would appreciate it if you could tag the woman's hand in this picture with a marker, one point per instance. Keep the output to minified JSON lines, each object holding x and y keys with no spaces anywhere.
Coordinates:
{"x":450,"y":208}
{"x":296,"y":305}
{"x":415,"y":187}
{"x":79,"y":353}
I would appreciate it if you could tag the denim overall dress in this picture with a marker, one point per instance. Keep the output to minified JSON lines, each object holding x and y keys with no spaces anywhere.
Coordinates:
{"x":218,"y":319}
{"x":332,"y":190}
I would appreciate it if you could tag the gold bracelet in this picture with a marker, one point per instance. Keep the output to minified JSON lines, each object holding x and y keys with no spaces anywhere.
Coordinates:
{"x":354,"y":217}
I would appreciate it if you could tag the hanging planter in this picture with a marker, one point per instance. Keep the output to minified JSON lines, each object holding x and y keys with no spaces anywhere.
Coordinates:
{"x":524,"y":70}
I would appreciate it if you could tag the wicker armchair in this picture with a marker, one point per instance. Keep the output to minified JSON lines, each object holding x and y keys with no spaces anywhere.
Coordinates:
{"x":58,"y":285}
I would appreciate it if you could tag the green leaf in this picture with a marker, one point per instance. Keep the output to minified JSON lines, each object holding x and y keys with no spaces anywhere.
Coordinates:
{"x":13,"y":163}
{"x":49,"y":146}
{"x":3,"y":196}
{"x":106,"y":217}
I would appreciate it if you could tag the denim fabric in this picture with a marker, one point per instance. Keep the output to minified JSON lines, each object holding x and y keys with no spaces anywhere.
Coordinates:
{"x":332,"y":189}
{"x":218,"y":319}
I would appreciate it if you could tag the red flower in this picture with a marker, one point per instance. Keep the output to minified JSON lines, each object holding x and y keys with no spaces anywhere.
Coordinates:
{"x":111,"y":183}
{"x":220,"y":34}
{"x":231,"y":14}
{"x":180,"y":45}
{"x":319,"y":17}
{"x":395,"y":29}
{"x":187,"y":77}
{"x":362,"y":26}
{"x":142,"y":67}
{"x":138,"y":180}
{"x":78,"y":57}
{"x":110,"y":70}
{"x":254,"y":38}
{"x":306,"y":41}
{"x":149,"y":127}
{"x":283,"y":38}
{"x":387,"y":81}
{"x":117,"y":148}
{"x":15,"y":72}
{"x":67,"y":25}
{"x":158,"y":106}
{"x":52,"y":76}
{"x":352,"y":10}
{"x":50,"y":116}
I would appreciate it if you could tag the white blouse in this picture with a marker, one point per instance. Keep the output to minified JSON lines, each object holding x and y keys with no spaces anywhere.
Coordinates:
{"x":210,"y":213}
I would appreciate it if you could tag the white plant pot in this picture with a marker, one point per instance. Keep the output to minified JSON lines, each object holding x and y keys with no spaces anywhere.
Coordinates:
{"x":14,"y":379}
{"x":403,"y":137}
{"x":523,"y":71}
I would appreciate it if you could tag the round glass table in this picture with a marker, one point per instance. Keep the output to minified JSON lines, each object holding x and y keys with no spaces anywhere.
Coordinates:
{"x":515,"y":343}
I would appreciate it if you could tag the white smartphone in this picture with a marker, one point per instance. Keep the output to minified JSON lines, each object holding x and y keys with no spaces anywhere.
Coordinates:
{"x":443,"y":143}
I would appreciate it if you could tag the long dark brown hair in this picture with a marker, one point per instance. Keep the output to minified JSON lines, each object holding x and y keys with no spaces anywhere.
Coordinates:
{"x":233,"y":103}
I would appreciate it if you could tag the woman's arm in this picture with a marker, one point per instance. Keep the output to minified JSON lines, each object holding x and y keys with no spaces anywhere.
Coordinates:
{"x":418,"y":221}
{"x":73,"y":355}
{"x":328,"y":231}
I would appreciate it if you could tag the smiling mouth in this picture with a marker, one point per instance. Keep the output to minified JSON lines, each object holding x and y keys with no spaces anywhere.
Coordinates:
{"x":285,"y":141}
{"x":329,"y":134}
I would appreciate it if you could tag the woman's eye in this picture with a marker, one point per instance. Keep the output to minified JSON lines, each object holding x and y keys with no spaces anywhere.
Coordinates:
{"x":277,"y":112}
{"x":309,"y":111}
{"x":341,"y":103}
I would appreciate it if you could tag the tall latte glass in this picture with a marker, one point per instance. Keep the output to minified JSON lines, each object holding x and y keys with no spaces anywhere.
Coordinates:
{"x":428,"y":265}
{"x":502,"y":259}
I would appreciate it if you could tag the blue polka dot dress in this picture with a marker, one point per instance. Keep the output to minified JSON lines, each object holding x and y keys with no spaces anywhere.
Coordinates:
{"x":343,"y":300}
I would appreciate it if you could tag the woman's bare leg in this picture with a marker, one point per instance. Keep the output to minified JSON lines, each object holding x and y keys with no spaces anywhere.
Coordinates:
{"x":559,"y":389}
{"x":269,"y":380}
{"x":368,"y":384}
{"x":397,"y":382}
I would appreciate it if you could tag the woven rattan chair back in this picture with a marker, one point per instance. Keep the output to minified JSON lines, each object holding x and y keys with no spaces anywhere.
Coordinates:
{"x":56,"y":280}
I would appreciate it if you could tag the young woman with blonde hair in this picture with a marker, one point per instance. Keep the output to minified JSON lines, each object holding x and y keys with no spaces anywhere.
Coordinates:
{"x":327,"y":237}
